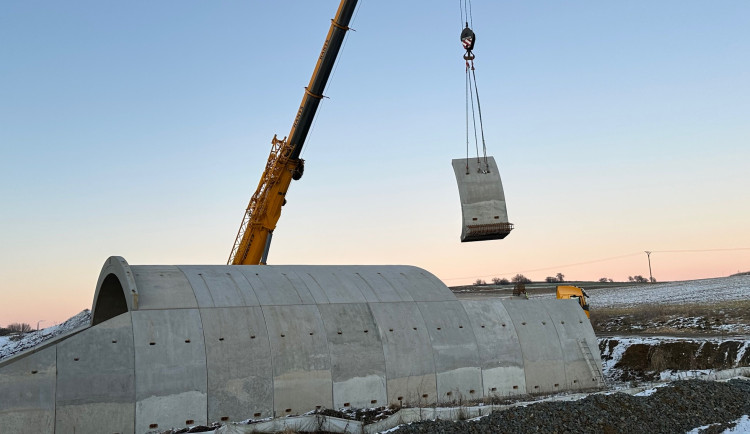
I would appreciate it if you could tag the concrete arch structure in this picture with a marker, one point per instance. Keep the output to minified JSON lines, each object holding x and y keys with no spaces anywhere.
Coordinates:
{"x":171,"y":346}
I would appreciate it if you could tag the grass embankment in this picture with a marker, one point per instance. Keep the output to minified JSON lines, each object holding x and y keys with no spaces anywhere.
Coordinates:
{"x":726,"y":317}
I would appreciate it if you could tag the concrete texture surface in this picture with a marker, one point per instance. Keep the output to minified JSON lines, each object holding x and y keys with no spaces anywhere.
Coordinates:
{"x":482,"y":199}
{"x":174,"y":346}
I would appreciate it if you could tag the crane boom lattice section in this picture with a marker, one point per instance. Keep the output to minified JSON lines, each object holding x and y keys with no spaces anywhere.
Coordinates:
{"x":257,"y":209}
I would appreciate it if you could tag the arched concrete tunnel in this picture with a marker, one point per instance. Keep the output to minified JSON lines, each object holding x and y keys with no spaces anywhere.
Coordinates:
{"x":172,"y":346}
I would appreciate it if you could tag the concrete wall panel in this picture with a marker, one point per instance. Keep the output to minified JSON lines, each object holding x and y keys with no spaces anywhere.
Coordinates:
{"x":574,"y":330}
{"x":454,"y":346}
{"x":219,"y":286}
{"x":482,"y":199}
{"x":273,"y":288}
{"x":379,"y":287}
{"x":500,"y":354}
{"x":357,"y":359}
{"x":301,"y":363}
{"x":238,"y":358}
{"x":27,"y":393}
{"x":96,"y":379}
{"x":164,"y":287}
{"x":409,"y":359}
{"x":540,"y":346}
{"x":170,"y":363}
{"x":417,"y":285}
{"x":336,"y":289}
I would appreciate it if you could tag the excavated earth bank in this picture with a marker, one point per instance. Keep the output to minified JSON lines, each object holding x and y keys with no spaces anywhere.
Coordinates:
{"x":676,"y":408}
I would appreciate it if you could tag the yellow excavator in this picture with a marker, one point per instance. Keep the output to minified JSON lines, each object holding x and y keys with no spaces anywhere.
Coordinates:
{"x":565,"y":292}
{"x":284,"y":163}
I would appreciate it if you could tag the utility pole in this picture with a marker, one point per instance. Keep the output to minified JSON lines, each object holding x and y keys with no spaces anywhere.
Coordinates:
{"x":650,"y":276}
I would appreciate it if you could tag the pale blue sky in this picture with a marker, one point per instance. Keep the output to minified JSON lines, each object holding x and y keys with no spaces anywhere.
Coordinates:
{"x":140,"y":129}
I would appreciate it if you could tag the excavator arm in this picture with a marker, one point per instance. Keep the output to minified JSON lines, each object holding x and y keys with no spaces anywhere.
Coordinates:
{"x":254,"y":236}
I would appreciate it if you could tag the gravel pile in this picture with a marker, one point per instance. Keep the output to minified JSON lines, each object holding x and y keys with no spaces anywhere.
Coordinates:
{"x":677,"y":408}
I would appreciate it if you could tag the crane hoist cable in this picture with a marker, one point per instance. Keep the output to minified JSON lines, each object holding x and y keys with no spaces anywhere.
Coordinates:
{"x":468,"y":39}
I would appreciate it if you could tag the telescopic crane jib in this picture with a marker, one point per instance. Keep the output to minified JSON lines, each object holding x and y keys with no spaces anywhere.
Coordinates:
{"x":254,"y":236}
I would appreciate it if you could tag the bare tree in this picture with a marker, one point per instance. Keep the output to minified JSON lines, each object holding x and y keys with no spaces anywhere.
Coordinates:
{"x":480,"y":282}
{"x":603,"y":280}
{"x":520,"y":278}
{"x":499,"y":281}
{"x":550,"y":279}
{"x":560,"y":277}
{"x":19,"y":327}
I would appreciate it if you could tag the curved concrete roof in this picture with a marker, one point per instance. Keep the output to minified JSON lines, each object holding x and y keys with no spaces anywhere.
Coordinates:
{"x":172,"y":346}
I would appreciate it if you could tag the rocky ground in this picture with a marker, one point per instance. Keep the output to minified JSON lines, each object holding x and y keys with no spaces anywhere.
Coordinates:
{"x":675,"y":408}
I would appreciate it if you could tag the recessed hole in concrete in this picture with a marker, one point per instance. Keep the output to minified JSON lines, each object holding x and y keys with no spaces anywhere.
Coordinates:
{"x":189,"y":422}
{"x":154,"y":425}
{"x":460,"y":326}
{"x":346,"y":404}
{"x":339,"y":332}
{"x":75,"y":359}
{"x":152,"y":343}
{"x":373,"y":401}
{"x":221,"y":339}
{"x":283,"y":336}
{"x":494,"y":389}
{"x":256,"y":414}
{"x":288,"y":410}
{"x":400,"y":398}
{"x":225,"y":418}
{"x":114,"y":341}
{"x":439,"y":328}
{"x":557,"y":385}
{"x":471,"y":391}
{"x":34,"y":371}
{"x":482,"y":326}
{"x":366,"y":331}
{"x":187,"y":341}
{"x":515,"y":387}
{"x":449,"y":393}
{"x":252,"y":336}
{"x":523,"y":323}
{"x":424,"y":395}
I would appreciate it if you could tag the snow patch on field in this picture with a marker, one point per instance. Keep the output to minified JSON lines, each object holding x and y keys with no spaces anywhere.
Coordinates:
{"x":693,"y":291}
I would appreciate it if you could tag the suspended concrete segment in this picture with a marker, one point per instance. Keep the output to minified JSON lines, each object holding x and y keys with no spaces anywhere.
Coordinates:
{"x":483,"y":209}
{"x":174,"y":346}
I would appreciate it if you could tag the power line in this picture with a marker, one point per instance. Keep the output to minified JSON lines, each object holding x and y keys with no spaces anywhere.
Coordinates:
{"x":599,"y":260}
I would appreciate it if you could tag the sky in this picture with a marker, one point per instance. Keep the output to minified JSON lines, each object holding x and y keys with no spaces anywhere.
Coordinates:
{"x":140,"y":129}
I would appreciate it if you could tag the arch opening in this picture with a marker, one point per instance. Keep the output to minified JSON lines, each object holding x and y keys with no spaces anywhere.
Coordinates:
{"x":111,"y":300}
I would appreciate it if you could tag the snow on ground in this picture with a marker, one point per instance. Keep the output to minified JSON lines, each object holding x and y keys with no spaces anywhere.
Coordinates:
{"x":742,"y":426}
{"x":13,"y":344}
{"x":691,"y":291}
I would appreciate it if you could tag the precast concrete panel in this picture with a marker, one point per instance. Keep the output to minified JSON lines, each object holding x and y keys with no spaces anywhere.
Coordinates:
{"x":27,"y":393}
{"x":219,"y":286}
{"x":352,"y":277}
{"x":300,"y":279}
{"x":170,"y":369}
{"x":573,"y":327}
{"x":409,"y":359}
{"x":419,"y":287}
{"x":336,"y":290}
{"x":500,"y":354}
{"x":357,"y":359}
{"x":96,"y":379}
{"x":273,"y":288}
{"x":480,"y":188}
{"x":540,"y":346}
{"x":238,"y":359}
{"x":301,"y":363}
{"x":380,"y":287}
{"x":459,"y":377}
{"x":163,"y":287}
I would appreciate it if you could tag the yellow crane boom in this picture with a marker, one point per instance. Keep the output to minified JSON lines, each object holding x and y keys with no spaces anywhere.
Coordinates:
{"x":254,"y":236}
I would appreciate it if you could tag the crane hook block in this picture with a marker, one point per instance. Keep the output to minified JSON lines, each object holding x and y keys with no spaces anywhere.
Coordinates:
{"x":468,"y":38}
{"x":483,"y":210}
